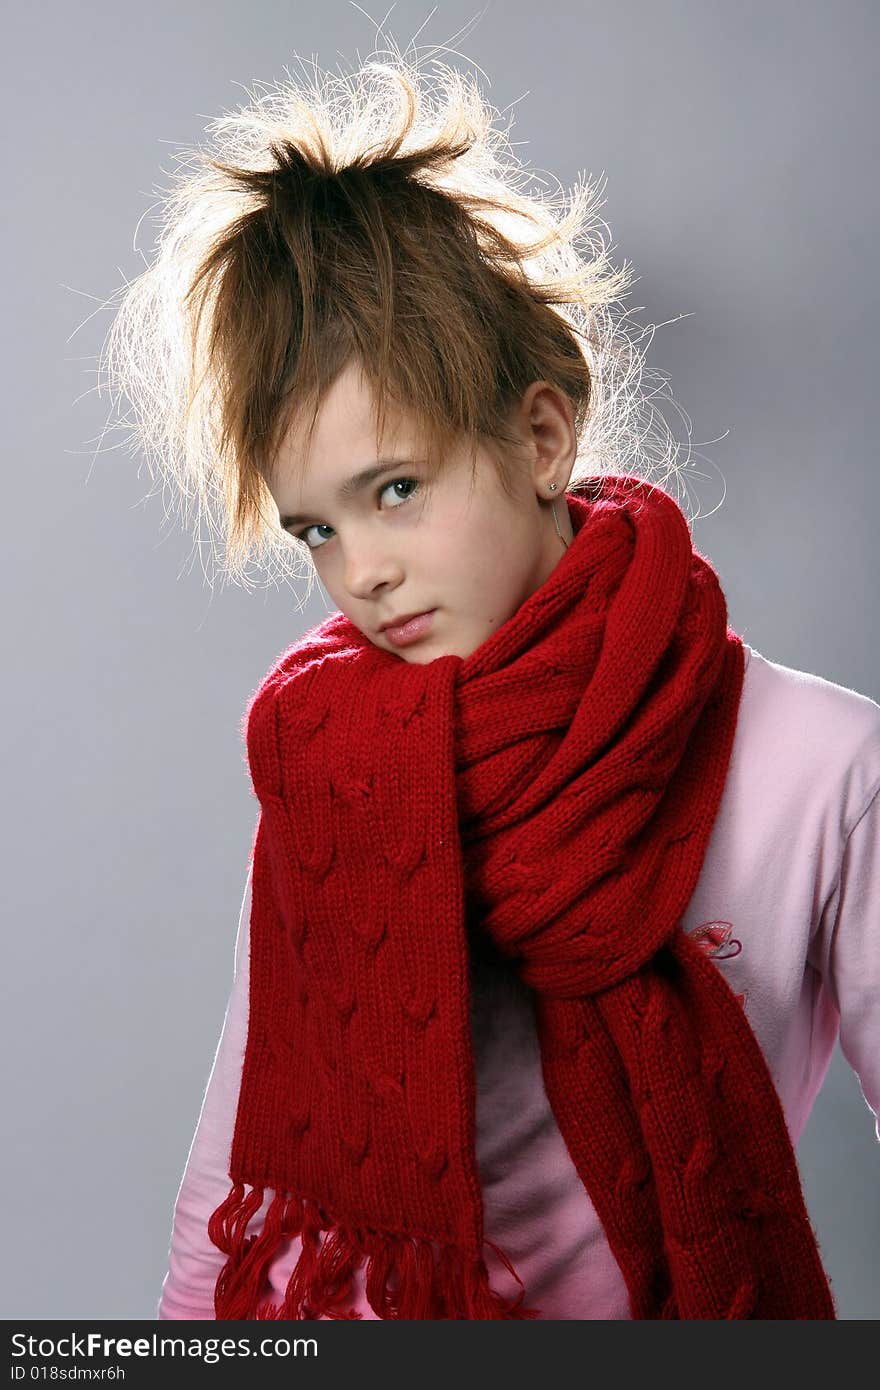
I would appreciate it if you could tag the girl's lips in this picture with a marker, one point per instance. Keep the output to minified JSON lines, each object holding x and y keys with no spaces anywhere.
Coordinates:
{"x":409,"y":632}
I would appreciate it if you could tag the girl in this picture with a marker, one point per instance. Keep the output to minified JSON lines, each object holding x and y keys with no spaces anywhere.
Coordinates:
{"x":560,"y":894}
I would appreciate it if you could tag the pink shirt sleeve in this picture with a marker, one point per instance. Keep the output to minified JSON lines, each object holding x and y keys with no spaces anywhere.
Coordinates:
{"x":851,"y":928}
{"x":193,"y":1261}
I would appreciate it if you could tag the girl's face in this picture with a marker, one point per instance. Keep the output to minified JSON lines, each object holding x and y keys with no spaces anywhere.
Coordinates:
{"x":397,"y":544}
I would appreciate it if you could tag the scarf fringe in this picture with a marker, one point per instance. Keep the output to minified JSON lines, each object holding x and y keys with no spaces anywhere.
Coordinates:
{"x":405,"y":1277}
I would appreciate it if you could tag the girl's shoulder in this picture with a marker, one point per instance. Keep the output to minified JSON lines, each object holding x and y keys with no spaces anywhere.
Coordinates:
{"x":807,"y":737}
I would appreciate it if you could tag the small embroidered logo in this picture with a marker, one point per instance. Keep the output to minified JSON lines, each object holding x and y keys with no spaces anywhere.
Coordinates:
{"x":717,"y":940}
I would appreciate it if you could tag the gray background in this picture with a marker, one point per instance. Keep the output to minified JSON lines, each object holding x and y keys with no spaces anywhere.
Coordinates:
{"x":739,"y":143}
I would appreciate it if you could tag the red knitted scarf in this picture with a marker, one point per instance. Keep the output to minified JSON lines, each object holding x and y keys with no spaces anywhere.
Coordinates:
{"x":559,"y":785}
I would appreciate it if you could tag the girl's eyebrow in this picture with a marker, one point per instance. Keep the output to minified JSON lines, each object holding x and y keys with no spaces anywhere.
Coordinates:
{"x":356,"y":483}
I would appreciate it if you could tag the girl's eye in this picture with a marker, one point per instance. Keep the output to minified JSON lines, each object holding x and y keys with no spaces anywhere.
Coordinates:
{"x":319,"y":526}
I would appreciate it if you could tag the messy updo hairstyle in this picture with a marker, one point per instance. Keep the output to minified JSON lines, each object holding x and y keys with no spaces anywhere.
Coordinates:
{"x":378,"y":217}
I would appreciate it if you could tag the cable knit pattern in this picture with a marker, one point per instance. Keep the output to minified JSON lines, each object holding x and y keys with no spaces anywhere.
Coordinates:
{"x":554,"y":791}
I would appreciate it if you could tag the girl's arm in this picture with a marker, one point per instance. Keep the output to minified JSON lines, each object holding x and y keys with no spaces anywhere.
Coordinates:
{"x":851,"y":927}
{"x":193,"y":1261}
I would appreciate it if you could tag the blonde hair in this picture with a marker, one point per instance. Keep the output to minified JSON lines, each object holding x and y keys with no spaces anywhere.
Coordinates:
{"x":366,"y":217}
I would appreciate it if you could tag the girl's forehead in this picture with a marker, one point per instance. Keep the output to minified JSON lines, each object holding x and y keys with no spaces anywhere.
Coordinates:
{"x":346,"y":428}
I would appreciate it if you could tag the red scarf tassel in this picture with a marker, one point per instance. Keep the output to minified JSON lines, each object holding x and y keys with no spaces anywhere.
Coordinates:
{"x":405,"y":1277}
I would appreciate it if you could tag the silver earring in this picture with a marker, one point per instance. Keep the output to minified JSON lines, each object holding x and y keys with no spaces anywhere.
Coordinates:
{"x":552,"y":487}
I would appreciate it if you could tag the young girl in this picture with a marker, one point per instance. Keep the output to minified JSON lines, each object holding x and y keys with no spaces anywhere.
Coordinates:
{"x":560,"y":894}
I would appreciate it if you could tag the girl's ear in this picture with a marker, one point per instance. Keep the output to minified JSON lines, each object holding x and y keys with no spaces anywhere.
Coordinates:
{"x":545,"y":422}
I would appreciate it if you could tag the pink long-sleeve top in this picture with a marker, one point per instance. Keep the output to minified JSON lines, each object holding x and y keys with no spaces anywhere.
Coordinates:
{"x":787,"y":902}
